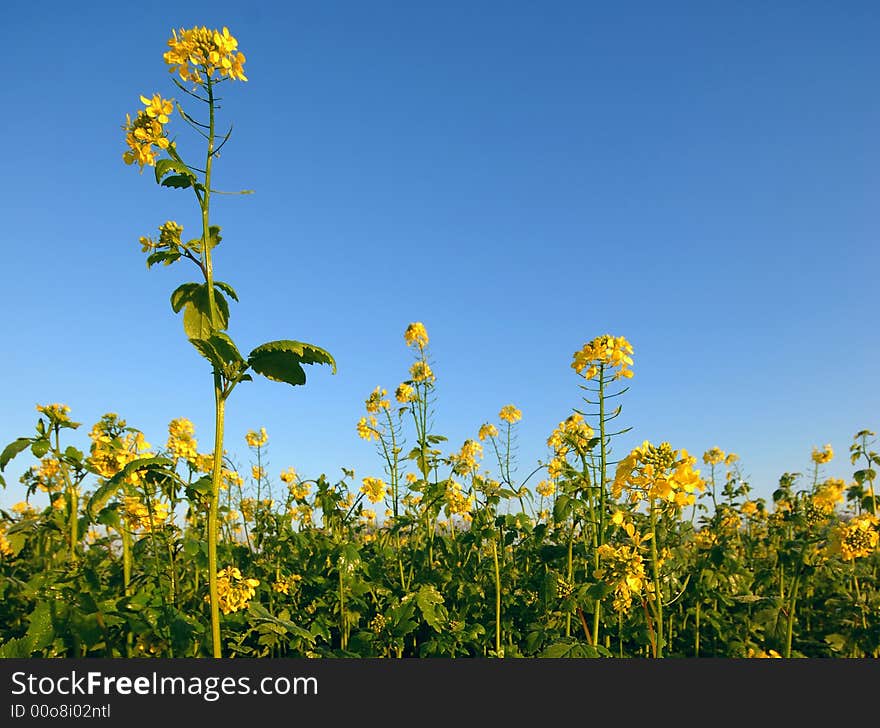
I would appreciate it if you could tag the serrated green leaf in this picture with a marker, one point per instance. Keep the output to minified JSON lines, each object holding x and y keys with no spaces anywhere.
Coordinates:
{"x":281,"y":361}
{"x":12,"y":449}
{"x":40,"y":631}
{"x":163,"y":256}
{"x":430,"y":603}
{"x":178,"y":181}
{"x":226,"y":288}
{"x":197,"y":317}
{"x":166,"y":166}
{"x":182,"y":294}
{"x":218,"y":349}
{"x":569,"y":650}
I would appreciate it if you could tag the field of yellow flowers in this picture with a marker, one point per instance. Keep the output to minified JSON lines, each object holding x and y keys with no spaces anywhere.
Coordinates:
{"x":165,"y":550}
{"x":446,"y":555}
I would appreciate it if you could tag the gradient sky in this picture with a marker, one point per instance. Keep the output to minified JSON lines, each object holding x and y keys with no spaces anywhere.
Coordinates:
{"x":521,"y":177}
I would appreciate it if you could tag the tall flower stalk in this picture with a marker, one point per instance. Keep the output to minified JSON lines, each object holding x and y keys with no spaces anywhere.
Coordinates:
{"x":204,"y":59}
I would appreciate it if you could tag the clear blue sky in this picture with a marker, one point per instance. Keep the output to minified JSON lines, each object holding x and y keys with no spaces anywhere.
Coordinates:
{"x":701,"y":178}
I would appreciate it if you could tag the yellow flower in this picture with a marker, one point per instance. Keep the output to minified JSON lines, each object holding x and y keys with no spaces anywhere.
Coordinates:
{"x":181,"y":443}
{"x":367,"y":428}
{"x":199,"y":51}
{"x":405,"y":393}
{"x":416,"y":335}
{"x":420,"y":371}
{"x":374,"y":489}
{"x":465,"y":460}
{"x":457,"y":503}
{"x":546,"y":488}
{"x":254,"y":439}
{"x":604,"y":351}
{"x":234,"y":590}
{"x":820,"y":457}
{"x":257,"y":472}
{"x":857,"y":538}
{"x":658,"y":473}
{"x":713,"y":456}
{"x":376,"y":401}
{"x":510,"y":414}
{"x":487,"y":430}
{"x":158,"y":108}
{"x":57,"y":413}
{"x":749,"y":508}
{"x":137,"y":514}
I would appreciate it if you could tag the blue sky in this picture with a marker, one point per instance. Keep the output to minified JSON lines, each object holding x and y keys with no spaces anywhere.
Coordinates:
{"x":521,"y":177}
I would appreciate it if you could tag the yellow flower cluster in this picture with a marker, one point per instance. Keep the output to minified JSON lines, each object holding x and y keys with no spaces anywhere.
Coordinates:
{"x":572,"y":434}
{"x":198,"y":51}
{"x":829,"y":494}
{"x":857,"y":538}
{"x":658,"y":473}
{"x":110,"y":455}
{"x":49,"y":475}
{"x":137,"y":514}
{"x":5,"y":546}
{"x":367,"y":428}
{"x":301,"y":513}
{"x":546,"y":488}
{"x":604,"y":351}
{"x":374,"y":489}
{"x":405,"y":393}
{"x":416,"y":335}
{"x":181,"y":443}
{"x":234,"y":590}
{"x":203,"y":462}
{"x":487,"y":430}
{"x":286,"y":584}
{"x":457,"y":503}
{"x":466,"y":460}
{"x":510,"y":414}
{"x":376,"y":401}
{"x":820,"y":457}
{"x":256,"y":439}
{"x":298,"y":489}
{"x":420,"y":371}
{"x":623,"y":569}
{"x":57,"y":413}
{"x":771,"y":654}
{"x":258,"y":472}
{"x":146,"y":131}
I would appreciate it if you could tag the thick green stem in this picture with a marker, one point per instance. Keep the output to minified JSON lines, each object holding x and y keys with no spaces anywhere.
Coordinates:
{"x":658,"y":595}
{"x":219,"y":407}
{"x":497,"y":599}
{"x":790,"y":626}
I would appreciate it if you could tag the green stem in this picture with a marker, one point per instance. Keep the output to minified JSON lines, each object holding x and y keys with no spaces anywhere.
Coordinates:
{"x":219,"y":411}
{"x":497,"y":599}
{"x":790,"y":626}
{"x":658,"y":596}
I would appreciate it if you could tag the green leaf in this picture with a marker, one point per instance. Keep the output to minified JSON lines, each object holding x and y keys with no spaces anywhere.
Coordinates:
{"x":162,"y":256}
{"x":430,"y":603}
{"x":107,"y":490}
{"x":197,"y":314}
{"x":179,"y":181}
{"x":569,"y":650}
{"x":12,"y":449}
{"x":218,"y":349}
{"x":166,"y":166}
{"x":40,"y":632}
{"x":226,"y":288}
{"x":182,"y":295}
{"x":281,"y":361}
{"x":40,"y":448}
